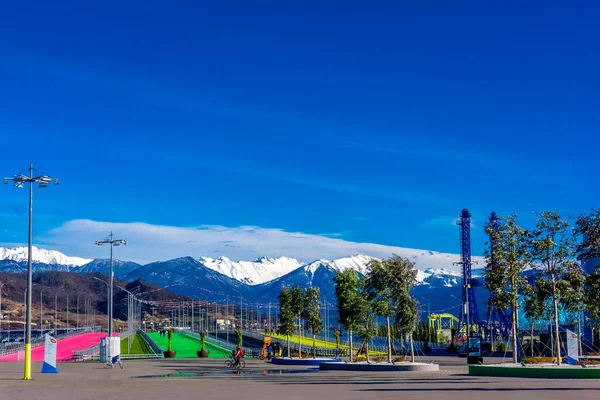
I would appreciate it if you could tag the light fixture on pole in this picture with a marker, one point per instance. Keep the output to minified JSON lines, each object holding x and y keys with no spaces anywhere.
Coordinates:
{"x":19,"y":181}
{"x":112,"y":242}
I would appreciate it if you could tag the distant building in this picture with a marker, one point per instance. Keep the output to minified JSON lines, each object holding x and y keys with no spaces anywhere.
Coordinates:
{"x":591,"y":265}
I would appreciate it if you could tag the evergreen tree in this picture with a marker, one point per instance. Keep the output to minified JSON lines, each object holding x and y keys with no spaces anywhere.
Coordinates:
{"x":286,"y":315}
{"x":507,"y":261}
{"x":348,"y":301}
{"x":312,"y":314}
{"x":553,"y":250}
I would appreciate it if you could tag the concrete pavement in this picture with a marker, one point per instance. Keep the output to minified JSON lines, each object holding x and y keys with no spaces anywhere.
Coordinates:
{"x":195,"y":378}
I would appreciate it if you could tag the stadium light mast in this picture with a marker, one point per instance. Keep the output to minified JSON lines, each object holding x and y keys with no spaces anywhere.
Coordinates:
{"x":112,"y":242}
{"x":19,"y":181}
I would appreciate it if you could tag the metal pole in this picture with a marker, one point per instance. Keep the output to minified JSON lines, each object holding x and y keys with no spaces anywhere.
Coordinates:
{"x":24,"y":304}
{"x":216,"y":311}
{"x":27,"y":372}
{"x":78,"y":311}
{"x":56,"y":313}
{"x":226,"y":321}
{"x":42,"y":311}
{"x":110,"y":290}
{"x":1,"y":311}
{"x":428,"y":316}
{"x":67,"y":311}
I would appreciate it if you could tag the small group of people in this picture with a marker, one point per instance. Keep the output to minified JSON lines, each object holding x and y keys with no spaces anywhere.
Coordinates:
{"x":238,"y":353}
{"x":162,"y":333}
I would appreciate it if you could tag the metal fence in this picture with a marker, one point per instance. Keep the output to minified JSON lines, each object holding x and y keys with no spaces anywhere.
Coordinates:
{"x":154,"y":348}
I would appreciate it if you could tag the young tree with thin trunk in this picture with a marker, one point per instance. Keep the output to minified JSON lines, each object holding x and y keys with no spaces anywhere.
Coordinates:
{"x":365,"y":308}
{"x":509,"y":258}
{"x":592,"y":299}
{"x":297,"y":308}
{"x":535,"y":303}
{"x":312,"y":314}
{"x":381,"y":284}
{"x":572,"y":291}
{"x":402,"y":278}
{"x":553,"y":250}
{"x":286,"y":315}
{"x":348,"y":301}
{"x":588,"y":227}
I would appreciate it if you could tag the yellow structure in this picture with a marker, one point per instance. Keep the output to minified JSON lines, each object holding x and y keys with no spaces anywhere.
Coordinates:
{"x":266,"y":343}
{"x":439,"y":323}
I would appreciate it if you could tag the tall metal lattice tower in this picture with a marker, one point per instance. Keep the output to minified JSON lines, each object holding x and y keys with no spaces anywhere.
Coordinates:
{"x":468,"y":312}
{"x":499,"y":322}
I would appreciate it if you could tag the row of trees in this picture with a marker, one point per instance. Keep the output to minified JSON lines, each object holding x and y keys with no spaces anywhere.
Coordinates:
{"x":384,"y":292}
{"x":554,"y":250}
{"x":300,"y":307}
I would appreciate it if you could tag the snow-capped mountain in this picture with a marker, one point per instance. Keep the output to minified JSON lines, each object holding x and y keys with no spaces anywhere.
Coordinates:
{"x":120,"y":268}
{"x":42,"y":256}
{"x":357,"y":262}
{"x":438,"y":277}
{"x":261,"y":270}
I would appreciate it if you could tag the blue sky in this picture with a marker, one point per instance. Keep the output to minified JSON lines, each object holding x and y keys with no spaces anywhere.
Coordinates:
{"x":366,"y":122}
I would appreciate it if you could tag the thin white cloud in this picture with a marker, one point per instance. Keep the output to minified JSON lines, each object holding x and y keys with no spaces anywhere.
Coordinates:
{"x":149,"y":243}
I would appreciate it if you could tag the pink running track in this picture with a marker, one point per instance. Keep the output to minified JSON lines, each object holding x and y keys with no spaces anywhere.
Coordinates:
{"x":64,"y":348}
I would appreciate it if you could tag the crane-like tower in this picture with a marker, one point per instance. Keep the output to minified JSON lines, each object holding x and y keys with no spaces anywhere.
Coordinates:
{"x":468,"y":312}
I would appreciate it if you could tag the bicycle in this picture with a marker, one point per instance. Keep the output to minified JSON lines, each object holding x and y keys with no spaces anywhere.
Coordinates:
{"x":230,"y":363}
{"x":113,"y":362}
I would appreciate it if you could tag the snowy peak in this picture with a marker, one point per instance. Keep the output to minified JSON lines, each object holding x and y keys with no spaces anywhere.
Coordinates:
{"x":51,"y":257}
{"x":437,"y":277}
{"x":432,"y":276}
{"x":261,"y":270}
{"x":357,"y":263}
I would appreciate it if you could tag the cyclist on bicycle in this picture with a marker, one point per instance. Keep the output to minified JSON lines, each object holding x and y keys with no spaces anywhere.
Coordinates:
{"x":237,"y":356}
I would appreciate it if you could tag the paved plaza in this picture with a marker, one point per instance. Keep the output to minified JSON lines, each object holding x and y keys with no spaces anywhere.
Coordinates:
{"x":195,"y":379}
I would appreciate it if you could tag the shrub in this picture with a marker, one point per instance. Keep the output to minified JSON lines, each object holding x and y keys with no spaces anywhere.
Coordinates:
{"x":502,"y":348}
{"x":538,"y":360}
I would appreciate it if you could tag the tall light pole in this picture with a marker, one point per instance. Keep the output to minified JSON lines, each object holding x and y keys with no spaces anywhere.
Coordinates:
{"x":1,"y":286}
{"x":130,"y":313}
{"x":56,"y":313}
{"x":19,"y":181}
{"x":107,"y":297}
{"x":112,"y":242}
{"x":67,"y":330}
{"x":42,"y":311}
{"x":78,"y":310}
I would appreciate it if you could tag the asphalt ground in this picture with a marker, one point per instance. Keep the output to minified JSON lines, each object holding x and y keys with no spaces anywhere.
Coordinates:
{"x":194,"y":378}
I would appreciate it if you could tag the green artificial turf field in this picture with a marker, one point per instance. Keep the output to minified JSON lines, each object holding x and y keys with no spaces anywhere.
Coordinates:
{"x":186,"y":347}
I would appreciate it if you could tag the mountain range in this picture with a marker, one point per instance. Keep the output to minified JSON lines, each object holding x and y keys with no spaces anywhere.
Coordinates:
{"x":438,"y":278}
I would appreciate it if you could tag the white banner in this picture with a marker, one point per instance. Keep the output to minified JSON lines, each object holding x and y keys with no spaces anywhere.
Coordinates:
{"x":572,"y":347}
{"x":49,"y":366}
